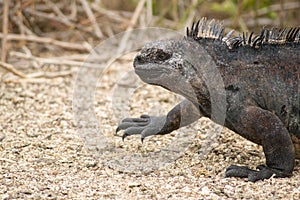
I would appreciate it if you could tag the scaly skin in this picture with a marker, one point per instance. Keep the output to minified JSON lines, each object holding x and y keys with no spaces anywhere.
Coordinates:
{"x":261,"y":87}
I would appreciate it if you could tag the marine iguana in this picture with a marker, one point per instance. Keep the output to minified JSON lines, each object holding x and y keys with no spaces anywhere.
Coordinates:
{"x":261,"y":77}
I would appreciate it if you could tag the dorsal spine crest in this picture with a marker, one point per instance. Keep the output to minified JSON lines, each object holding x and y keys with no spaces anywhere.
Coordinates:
{"x":214,"y":29}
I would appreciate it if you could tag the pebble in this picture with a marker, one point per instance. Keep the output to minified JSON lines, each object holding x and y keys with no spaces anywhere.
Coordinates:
{"x":2,"y":136}
{"x":134,"y":184}
{"x":205,"y":191}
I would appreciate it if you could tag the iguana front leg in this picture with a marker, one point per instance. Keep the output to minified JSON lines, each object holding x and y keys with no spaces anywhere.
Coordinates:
{"x":265,"y":128}
{"x":181,"y":115}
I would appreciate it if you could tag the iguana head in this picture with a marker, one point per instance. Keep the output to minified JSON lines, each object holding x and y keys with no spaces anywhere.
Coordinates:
{"x":173,"y":64}
{"x":163,"y":63}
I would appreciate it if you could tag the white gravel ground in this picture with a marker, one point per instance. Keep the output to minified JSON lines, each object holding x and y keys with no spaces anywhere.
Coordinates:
{"x":43,"y":157}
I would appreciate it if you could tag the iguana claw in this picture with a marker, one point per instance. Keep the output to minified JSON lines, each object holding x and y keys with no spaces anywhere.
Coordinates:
{"x":145,"y":126}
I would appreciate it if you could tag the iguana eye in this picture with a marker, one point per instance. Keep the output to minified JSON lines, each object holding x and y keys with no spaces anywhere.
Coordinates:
{"x":162,"y":55}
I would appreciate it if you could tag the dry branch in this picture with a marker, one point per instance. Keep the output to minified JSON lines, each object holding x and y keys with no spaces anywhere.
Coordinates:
{"x":129,"y":29}
{"x":51,"y":74}
{"x":32,"y":38}
{"x":20,"y":20}
{"x":77,"y":57}
{"x":23,"y":29}
{"x":111,"y":14}
{"x":57,"y":10}
{"x":12,"y":69}
{"x":36,"y":13}
{"x":27,"y":51}
{"x":73,"y":14}
{"x":65,"y":21}
{"x":92,"y":18}
{"x":5,"y":30}
{"x":54,"y":60}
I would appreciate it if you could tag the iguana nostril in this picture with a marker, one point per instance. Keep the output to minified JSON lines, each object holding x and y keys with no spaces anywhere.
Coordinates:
{"x":137,"y":60}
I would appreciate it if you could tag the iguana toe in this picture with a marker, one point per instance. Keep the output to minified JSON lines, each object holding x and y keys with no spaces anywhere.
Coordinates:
{"x":263,"y":172}
{"x":145,"y":125}
{"x":238,"y":171}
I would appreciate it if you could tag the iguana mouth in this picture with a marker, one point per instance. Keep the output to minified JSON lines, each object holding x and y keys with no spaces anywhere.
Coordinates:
{"x":151,"y":72}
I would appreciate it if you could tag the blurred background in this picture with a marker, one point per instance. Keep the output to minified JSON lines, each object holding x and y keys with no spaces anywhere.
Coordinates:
{"x":33,"y":30}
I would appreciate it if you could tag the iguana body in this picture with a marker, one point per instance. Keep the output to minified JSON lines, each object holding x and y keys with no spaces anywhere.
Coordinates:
{"x":261,"y":78}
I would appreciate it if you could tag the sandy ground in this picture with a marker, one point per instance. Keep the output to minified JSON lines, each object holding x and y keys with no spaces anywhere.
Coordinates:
{"x":43,"y":157}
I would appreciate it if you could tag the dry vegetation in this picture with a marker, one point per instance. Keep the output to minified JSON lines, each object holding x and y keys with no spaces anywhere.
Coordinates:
{"x":46,"y":154}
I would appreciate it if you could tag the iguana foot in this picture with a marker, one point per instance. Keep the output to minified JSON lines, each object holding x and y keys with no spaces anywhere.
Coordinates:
{"x":145,"y":125}
{"x":181,"y":115}
{"x":253,"y":175}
